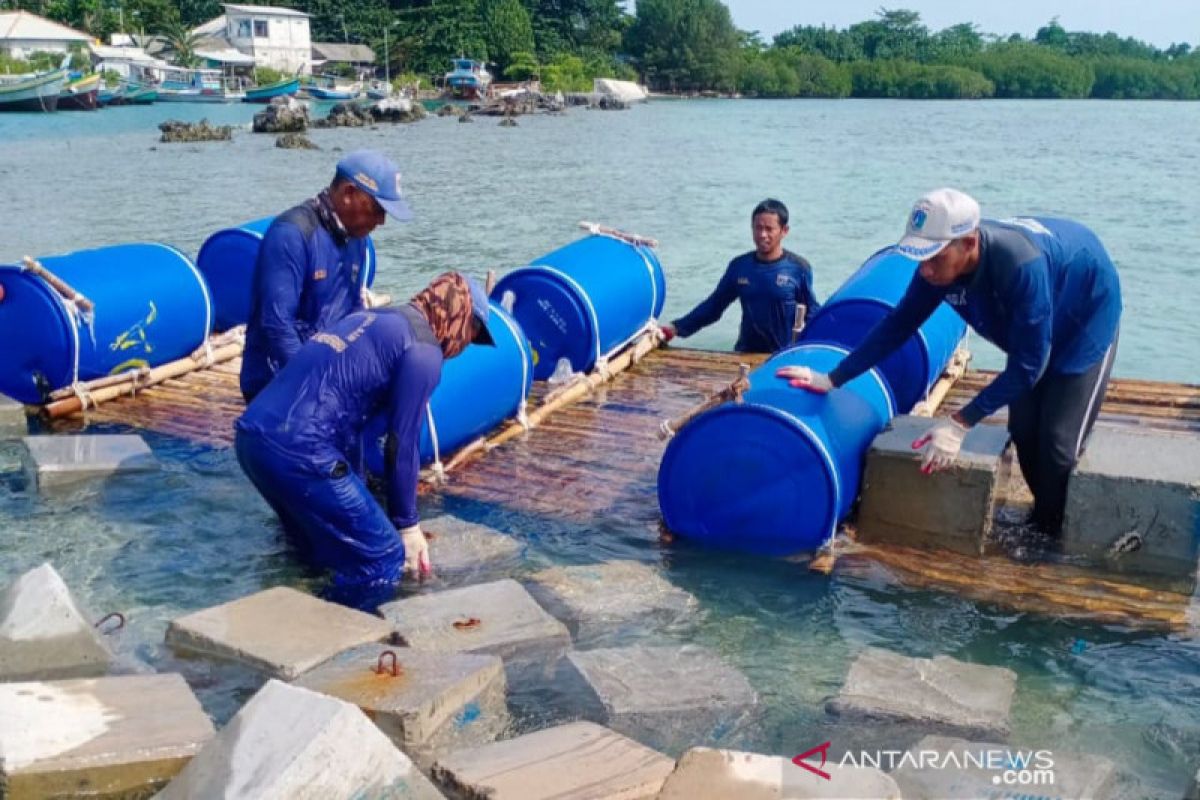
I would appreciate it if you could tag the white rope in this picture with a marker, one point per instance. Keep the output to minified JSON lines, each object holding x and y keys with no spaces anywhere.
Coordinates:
{"x":80,"y":390}
{"x":518,"y":339}
{"x":437,"y":467}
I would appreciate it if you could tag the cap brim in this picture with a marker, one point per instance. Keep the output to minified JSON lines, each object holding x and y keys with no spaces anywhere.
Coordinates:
{"x":918,"y":248}
{"x":396,"y":209}
{"x":484,"y":336}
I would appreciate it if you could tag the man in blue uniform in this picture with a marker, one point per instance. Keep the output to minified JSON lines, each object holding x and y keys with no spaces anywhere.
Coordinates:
{"x":310,"y":264}
{"x":299,"y":440}
{"x":773,"y":285}
{"x":1045,"y":292}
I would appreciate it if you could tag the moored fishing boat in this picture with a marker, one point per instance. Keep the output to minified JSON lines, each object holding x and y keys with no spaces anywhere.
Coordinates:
{"x":263,"y":94}
{"x":195,"y":86}
{"x":81,"y":94}
{"x":469,"y":80}
{"x":37,"y":92}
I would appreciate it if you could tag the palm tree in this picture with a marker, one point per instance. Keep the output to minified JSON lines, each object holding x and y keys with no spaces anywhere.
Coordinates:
{"x":182,"y":42}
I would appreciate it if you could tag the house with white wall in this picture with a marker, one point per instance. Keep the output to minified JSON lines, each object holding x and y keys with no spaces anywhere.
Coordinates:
{"x":23,"y":33}
{"x":275,"y":37}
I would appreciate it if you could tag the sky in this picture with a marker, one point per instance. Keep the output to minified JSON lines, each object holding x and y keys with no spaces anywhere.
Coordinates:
{"x":1159,"y":22}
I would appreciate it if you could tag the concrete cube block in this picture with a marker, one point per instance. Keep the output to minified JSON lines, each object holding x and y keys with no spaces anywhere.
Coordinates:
{"x":291,"y":743}
{"x":434,"y":702}
{"x":598,"y":597}
{"x":13,"y":422}
{"x":980,"y":769}
{"x":705,"y":774}
{"x":940,"y":692}
{"x":55,"y":461}
{"x":279,"y":631}
{"x":667,"y":697}
{"x":951,"y":510}
{"x":1133,"y":507}
{"x":461,"y":550}
{"x":579,"y":761}
{"x":499,"y":618}
{"x":43,"y":633}
{"x":104,"y":737}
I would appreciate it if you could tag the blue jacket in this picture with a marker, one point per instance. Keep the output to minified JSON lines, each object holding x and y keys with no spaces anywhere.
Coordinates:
{"x":769,"y":293}
{"x":316,"y":407}
{"x":306,"y":278}
{"x":1045,"y":292}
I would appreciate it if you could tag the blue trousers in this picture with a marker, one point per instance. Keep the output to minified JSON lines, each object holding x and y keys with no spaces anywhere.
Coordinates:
{"x":330,"y":516}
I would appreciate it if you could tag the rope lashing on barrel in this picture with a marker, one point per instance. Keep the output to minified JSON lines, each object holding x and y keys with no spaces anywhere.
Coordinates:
{"x":437,"y":467}
{"x":518,"y":338}
{"x":731,"y":393}
{"x":77,"y":307}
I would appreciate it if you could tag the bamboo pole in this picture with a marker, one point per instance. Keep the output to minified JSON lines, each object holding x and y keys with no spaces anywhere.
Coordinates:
{"x":572,"y":393}
{"x":198,"y":360}
{"x":953,"y":373}
{"x":616,"y":233}
{"x":59,"y":285}
{"x":731,"y":393}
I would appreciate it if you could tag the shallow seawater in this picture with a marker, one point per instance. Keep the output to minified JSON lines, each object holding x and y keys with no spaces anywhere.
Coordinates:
{"x":160,"y":545}
{"x":157,"y":545}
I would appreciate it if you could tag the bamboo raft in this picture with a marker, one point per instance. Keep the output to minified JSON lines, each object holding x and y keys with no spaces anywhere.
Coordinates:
{"x":595,"y":451}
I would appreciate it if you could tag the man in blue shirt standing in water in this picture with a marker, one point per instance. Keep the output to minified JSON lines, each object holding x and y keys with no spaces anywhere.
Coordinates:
{"x":1045,"y":292}
{"x":771,"y":283}
{"x":299,"y":440}
{"x":310,"y":264}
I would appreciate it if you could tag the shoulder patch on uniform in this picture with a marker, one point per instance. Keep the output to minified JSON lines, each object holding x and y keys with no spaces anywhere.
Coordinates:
{"x":320,"y":275}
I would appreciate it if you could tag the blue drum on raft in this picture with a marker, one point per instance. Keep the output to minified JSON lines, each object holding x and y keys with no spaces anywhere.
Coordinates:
{"x":480,"y":388}
{"x":867,"y":297}
{"x":584,"y":301}
{"x":775,"y":474}
{"x":227,"y":259}
{"x":151,"y":307}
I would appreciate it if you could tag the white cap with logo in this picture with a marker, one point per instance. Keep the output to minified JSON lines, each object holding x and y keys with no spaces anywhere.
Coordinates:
{"x":938,"y":218}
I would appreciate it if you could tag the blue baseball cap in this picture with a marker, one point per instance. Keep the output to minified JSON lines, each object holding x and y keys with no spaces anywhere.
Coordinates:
{"x":481,"y":311}
{"x":378,"y":176}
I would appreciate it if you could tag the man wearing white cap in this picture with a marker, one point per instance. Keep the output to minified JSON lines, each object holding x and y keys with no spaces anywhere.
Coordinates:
{"x":1045,"y":292}
{"x":310,"y":264}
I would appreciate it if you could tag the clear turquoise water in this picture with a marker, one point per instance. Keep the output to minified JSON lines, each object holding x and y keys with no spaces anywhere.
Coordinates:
{"x":688,"y":174}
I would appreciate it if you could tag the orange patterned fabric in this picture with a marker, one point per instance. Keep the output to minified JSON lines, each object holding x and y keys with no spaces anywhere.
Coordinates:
{"x":446,"y":303}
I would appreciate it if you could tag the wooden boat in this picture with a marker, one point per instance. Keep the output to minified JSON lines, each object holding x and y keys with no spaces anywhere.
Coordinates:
{"x":264,"y":94}
{"x":81,"y":94}
{"x":195,"y":86}
{"x":323,"y":93}
{"x":137,"y":94}
{"x":468,"y":80}
{"x":37,"y":92}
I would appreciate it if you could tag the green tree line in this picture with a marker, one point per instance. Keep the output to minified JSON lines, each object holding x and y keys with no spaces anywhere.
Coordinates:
{"x":693,"y":45}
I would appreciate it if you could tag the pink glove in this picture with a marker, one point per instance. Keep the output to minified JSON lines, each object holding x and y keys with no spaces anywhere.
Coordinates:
{"x":805,"y":378}
{"x":941,"y":443}
{"x":668,"y":332}
{"x":416,"y":551}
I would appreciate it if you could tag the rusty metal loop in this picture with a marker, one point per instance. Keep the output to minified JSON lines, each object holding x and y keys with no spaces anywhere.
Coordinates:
{"x":380,"y":669}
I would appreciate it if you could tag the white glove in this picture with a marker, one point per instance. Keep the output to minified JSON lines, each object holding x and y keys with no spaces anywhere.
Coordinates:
{"x":416,"y":551}
{"x":805,"y":378}
{"x":941,"y":445}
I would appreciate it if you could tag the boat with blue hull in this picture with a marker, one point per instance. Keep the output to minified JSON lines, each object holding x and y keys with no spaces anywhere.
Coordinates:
{"x":468,"y":80}
{"x":264,"y":94}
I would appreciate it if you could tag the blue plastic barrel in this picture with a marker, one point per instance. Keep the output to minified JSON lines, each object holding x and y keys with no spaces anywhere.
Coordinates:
{"x":583,"y":301}
{"x":480,"y":388}
{"x":227,"y":259}
{"x":866,"y":298}
{"x":151,"y":306}
{"x":775,"y":474}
